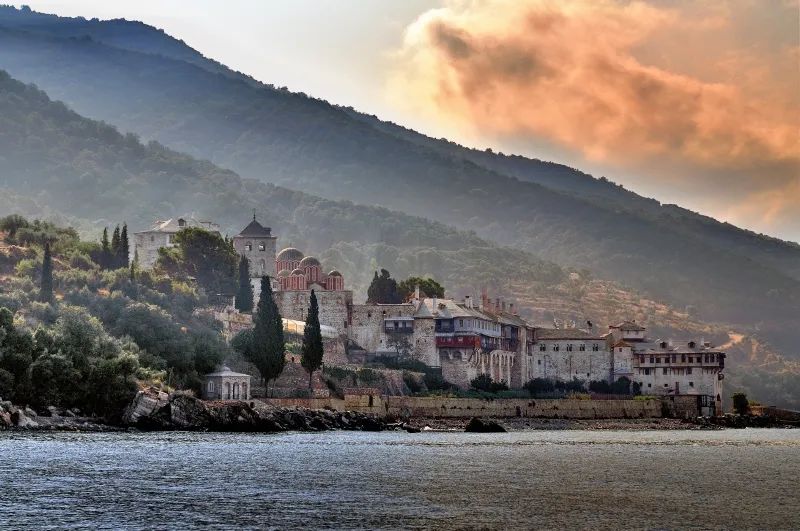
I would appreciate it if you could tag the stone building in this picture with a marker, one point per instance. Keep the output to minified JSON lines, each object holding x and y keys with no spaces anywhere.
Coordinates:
{"x":146,"y":243}
{"x":569,"y":353}
{"x":257,"y":243}
{"x":224,"y":384}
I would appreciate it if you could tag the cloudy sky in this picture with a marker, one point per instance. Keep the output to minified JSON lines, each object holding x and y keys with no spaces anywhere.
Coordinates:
{"x":696,"y":103}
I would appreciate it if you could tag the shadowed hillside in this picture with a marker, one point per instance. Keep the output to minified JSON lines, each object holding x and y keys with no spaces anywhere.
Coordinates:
{"x":723,"y":273}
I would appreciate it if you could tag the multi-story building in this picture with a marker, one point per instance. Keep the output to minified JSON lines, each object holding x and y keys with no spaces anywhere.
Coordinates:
{"x":570,"y":353}
{"x":162,"y":234}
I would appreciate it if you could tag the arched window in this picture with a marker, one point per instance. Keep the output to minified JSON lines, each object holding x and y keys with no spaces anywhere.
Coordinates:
{"x":227,"y":390}
{"x":236,"y":391}
{"x":211,"y":386}
{"x":244,"y":391}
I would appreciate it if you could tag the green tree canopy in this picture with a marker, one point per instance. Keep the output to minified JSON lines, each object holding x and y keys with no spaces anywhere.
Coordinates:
{"x":267,"y":349}
{"x":203,"y":255}
{"x":427,"y":288}
{"x":383,"y":289}
{"x":312,"y":351}
{"x":244,"y":297}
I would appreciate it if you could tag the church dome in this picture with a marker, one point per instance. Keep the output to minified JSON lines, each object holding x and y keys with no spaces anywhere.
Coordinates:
{"x":298,"y":272}
{"x":290,"y":253}
{"x":283,"y":273}
{"x":334,"y":273}
{"x":309,"y":261}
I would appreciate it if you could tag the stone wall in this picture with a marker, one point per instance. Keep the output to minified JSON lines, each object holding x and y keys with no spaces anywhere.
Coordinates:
{"x":366,"y":328}
{"x":439,"y":407}
{"x":334,"y":307}
{"x":565,"y":365}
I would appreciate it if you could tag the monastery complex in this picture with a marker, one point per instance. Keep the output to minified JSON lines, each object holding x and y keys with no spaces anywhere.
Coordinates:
{"x":462,"y":338}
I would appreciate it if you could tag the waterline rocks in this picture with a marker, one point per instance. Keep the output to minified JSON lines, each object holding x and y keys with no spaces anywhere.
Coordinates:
{"x":479,"y":425}
{"x":154,"y":410}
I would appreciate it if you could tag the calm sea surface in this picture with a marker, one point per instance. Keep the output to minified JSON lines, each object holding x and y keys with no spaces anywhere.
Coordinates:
{"x":537,"y":479}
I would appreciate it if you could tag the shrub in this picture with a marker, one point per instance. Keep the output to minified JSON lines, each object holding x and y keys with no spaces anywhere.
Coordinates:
{"x":484,"y":382}
{"x":81,"y":261}
{"x":740,"y":403}
{"x":600,"y":386}
{"x":539,"y":386}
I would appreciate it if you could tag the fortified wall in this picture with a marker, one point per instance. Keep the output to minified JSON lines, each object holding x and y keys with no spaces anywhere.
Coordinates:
{"x":334,"y":306}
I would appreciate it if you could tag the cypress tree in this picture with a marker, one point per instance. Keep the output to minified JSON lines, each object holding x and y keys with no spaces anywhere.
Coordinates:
{"x":105,"y":255}
{"x":115,"y":242}
{"x":124,"y":249}
{"x":267,"y":351}
{"x":244,"y":297}
{"x":46,"y":287}
{"x":311,"y":354}
{"x":134,"y":292}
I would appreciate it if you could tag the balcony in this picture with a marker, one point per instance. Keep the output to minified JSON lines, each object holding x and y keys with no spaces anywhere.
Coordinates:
{"x":458,"y":342}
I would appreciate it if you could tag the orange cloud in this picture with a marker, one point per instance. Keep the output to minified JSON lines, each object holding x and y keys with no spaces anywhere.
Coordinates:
{"x":627,"y":84}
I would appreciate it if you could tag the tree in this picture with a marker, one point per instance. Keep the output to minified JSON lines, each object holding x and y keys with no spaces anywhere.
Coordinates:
{"x":427,"y":288}
{"x":484,"y":382}
{"x":401,"y":343}
{"x":46,"y":286}
{"x":105,"y":253}
{"x":267,"y":349}
{"x":115,"y":249}
{"x":312,"y":351}
{"x":740,"y":403}
{"x":124,"y":249}
{"x":244,"y":297}
{"x":205,"y":256}
{"x":12,"y":223}
{"x":383,"y":289}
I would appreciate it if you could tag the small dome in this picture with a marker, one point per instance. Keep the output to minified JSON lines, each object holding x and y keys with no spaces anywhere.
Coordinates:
{"x":334,"y":273}
{"x":298,"y":272}
{"x":290,"y":253}
{"x":309,"y":261}
{"x":283,"y":273}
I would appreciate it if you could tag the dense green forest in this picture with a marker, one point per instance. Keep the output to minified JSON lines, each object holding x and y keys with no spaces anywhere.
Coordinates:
{"x":172,"y":94}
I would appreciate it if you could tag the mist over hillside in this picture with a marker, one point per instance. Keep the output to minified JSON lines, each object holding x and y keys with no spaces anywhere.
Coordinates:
{"x":723,"y":273}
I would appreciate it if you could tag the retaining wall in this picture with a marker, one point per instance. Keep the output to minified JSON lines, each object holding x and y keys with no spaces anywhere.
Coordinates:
{"x":439,"y":407}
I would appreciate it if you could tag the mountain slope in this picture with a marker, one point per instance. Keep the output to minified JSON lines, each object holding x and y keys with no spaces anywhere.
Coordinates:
{"x":62,"y":165}
{"x":310,"y":145}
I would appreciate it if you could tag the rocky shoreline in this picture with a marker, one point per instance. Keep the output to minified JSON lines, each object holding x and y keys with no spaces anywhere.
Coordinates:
{"x":154,"y":410}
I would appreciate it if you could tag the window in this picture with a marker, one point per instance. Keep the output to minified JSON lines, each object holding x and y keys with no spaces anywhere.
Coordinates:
{"x":555,"y":348}
{"x":211,"y":386}
{"x":691,"y":359}
{"x":582,"y":347}
{"x":683,"y":358}
{"x":248,"y":247}
{"x":461,"y":322}
{"x":666,"y":371}
{"x":688,"y":370}
{"x":569,"y":348}
{"x":152,"y":239}
{"x":652,"y":359}
{"x":649,"y":385}
{"x":691,"y":384}
{"x":658,"y":360}
{"x":540,"y":362}
{"x":647,"y":372}
{"x":542,"y":348}
{"x":262,"y":247}
{"x":595,"y":347}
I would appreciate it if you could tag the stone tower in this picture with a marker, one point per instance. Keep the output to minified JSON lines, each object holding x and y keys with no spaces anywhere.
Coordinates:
{"x":257,"y":243}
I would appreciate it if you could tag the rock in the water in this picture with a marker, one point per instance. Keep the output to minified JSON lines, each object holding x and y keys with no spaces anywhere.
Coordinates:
{"x":143,"y":405}
{"x":188,"y":412}
{"x":477,"y":425}
{"x":21,"y":421}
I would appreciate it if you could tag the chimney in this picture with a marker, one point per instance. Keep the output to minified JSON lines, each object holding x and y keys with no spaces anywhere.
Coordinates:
{"x":468,"y":301}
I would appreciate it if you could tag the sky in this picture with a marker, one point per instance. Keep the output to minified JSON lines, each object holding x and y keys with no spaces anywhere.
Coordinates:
{"x":694,"y":103}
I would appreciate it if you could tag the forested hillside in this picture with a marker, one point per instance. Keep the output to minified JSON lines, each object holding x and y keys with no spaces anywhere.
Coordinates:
{"x":723,"y":273}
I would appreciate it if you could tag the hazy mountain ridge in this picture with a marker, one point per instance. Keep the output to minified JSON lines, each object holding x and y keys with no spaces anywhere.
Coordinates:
{"x":308,"y":144}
